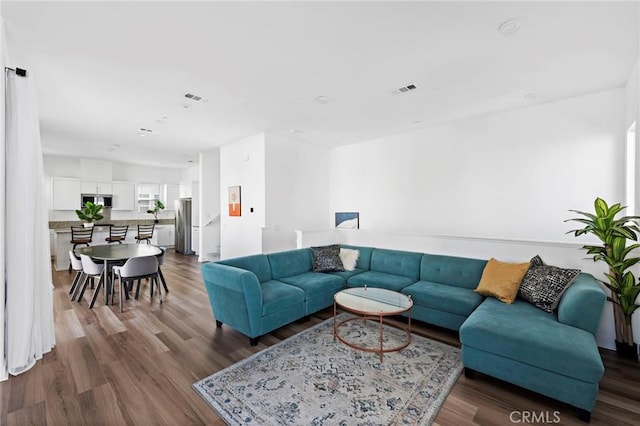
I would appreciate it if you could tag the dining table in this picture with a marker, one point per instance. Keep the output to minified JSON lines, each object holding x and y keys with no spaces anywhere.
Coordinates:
{"x":114,"y":253}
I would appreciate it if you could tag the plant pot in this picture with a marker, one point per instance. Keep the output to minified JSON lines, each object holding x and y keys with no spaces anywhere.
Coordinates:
{"x":627,"y":351}
{"x":88,"y":225}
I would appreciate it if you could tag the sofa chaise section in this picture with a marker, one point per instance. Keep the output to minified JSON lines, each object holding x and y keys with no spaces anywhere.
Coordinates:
{"x":555,"y":355}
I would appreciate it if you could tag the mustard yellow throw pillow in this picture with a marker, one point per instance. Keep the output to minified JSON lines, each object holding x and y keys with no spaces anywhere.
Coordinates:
{"x":502,"y":280}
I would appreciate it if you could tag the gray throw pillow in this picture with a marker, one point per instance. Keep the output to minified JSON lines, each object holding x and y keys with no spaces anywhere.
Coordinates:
{"x":327,"y":259}
{"x":543,"y":285}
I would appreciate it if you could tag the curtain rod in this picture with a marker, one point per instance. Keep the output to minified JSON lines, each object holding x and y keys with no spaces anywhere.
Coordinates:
{"x":19,"y":71}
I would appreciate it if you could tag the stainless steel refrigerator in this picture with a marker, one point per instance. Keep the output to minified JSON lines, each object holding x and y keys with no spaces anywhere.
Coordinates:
{"x":183,"y":226}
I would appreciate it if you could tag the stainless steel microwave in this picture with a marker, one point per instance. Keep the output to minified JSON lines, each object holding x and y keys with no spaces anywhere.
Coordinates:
{"x":103,"y":199}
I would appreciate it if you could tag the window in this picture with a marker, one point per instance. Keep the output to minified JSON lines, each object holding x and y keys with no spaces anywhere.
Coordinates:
{"x":631,"y":171}
{"x":148,"y":193}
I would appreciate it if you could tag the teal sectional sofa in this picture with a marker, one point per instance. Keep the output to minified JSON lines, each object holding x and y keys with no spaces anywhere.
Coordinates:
{"x":552,"y":354}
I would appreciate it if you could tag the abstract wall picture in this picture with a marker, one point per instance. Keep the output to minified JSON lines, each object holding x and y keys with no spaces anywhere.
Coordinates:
{"x":348,"y":220}
{"x":235,"y":205}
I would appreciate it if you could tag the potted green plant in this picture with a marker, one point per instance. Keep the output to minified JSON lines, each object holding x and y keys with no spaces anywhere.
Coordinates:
{"x":614,"y":232}
{"x":157,"y":208}
{"x":90,"y":213}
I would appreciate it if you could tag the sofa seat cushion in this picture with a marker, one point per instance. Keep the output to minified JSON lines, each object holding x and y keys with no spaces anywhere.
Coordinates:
{"x":277,"y":296}
{"x":522,"y":332}
{"x":381,"y":280}
{"x":443,"y":297}
{"x":348,"y":274}
{"x":315,"y":283}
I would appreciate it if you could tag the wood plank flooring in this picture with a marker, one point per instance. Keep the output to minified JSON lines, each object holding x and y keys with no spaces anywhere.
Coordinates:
{"x":137,"y":368}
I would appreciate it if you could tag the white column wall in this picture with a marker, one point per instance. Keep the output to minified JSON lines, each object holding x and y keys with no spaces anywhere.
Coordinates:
{"x":243,"y":163}
{"x":297,"y":190}
{"x":209,"y":204}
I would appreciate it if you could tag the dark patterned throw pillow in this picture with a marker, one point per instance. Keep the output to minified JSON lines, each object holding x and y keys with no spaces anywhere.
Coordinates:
{"x":543,"y":285}
{"x":327,"y":259}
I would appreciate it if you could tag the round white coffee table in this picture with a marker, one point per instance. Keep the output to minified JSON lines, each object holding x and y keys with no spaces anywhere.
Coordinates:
{"x":372,"y":303}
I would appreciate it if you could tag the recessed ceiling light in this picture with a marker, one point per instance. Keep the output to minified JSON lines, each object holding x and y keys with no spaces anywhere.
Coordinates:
{"x":417,"y":122}
{"x":295,"y":131}
{"x":322,"y":99}
{"x":532,"y":96}
{"x":509,"y":27}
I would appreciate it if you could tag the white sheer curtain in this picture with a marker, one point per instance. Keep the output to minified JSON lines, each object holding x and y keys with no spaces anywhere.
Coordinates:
{"x":29,"y":327}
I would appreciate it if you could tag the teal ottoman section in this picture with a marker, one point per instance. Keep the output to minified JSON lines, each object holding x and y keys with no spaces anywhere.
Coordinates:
{"x":526,"y":346}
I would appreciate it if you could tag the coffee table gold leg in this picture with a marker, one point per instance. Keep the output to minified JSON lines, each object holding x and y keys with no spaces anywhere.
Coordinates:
{"x":381,"y":339}
{"x":335,"y":331}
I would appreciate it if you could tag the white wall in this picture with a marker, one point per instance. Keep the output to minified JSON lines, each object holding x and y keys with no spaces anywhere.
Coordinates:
{"x":508,"y":175}
{"x":210,"y":204}
{"x":243,"y":163}
{"x":297,"y":190}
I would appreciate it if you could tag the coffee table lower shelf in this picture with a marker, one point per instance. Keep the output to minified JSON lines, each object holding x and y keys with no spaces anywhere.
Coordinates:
{"x":379,"y":319}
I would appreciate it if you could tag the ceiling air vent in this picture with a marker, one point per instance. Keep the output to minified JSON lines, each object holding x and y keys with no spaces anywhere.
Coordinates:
{"x":194,"y":98}
{"x":404,"y":89}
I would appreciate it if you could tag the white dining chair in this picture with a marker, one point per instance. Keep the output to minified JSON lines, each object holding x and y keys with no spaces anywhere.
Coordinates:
{"x":91,"y":270}
{"x":134,"y":269}
{"x":76,"y":265}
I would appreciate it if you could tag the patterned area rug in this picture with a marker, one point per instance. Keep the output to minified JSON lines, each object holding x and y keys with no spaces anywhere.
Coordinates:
{"x":310,"y":379}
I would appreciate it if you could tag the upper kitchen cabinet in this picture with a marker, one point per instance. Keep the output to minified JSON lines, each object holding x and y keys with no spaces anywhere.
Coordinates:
{"x":148,"y":193}
{"x":171,"y":194}
{"x":123,"y":196}
{"x":65,"y":194}
{"x":93,"y":187}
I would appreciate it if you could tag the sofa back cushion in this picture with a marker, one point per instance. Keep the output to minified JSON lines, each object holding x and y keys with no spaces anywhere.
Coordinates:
{"x":456,"y":271}
{"x":364,"y":259}
{"x":396,"y":262}
{"x":289,"y":263}
{"x":258,"y":264}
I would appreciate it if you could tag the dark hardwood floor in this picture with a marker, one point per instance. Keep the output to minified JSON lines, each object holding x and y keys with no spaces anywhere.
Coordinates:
{"x":137,"y":367}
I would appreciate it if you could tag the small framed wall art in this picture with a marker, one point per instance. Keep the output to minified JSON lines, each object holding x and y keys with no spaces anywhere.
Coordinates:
{"x":348,"y":220}
{"x":235,"y":202}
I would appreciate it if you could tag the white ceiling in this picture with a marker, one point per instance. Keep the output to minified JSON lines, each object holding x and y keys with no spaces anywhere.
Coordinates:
{"x":105,"y":69}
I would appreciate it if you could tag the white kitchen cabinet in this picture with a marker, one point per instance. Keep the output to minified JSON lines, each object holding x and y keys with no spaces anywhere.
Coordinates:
{"x":171,"y":194}
{"x":93,"y":187}
{"x":166,"y":235}
{"x":65,"y":194}
{"x":123,"y":196}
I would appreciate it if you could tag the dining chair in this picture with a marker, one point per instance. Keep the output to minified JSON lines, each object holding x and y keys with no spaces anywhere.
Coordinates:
{"x":76,"y":265}
{"x":160,"y":258}
{"x":80,"y":235}
{"x":145,"y":233}
{"x":117,"y":234}
{"x":91,"y":270}
{"x":134,"y":269}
